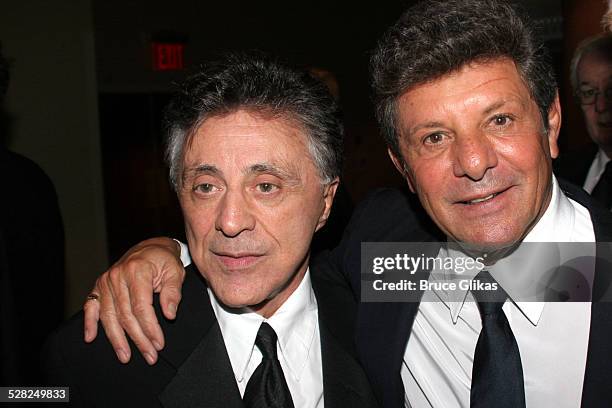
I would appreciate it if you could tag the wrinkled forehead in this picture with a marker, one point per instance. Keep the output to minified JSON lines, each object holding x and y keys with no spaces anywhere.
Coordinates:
{"x":246,"y":142}
{"x":598,"y":59}
{"x":478,"y":83}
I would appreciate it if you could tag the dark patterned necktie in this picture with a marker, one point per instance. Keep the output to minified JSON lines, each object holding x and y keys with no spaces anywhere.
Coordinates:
{"x":497,"y":374}
{"x":267,"y":387}
{"x":603,"y":190}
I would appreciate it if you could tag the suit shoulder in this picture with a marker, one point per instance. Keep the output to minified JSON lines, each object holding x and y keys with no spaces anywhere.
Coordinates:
{"x":574,"y":166}
{"x":93,"y":372}
{"x":391,"y":215}
{"x":67,"y":350}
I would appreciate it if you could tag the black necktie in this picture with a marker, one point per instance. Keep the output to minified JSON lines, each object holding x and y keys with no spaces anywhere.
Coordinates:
{"x":603,"y":190}
{"x":267,"y":387}
{"x":497,"y":374}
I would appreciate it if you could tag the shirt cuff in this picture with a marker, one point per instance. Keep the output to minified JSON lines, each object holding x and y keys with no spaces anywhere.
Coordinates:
{"x":185,"y":257}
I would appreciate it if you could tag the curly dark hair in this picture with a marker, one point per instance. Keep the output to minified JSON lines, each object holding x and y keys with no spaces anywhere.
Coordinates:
{"x":436,"y":37}
{"x":262,"y":84}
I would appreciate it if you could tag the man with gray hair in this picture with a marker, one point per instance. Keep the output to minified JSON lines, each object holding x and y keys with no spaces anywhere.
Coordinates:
{"x":255,"y":151}
{"x":469,"y":109}
{"x":591,"y":79}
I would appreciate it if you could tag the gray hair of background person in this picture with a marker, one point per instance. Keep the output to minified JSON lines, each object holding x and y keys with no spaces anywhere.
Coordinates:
{"x":4,"y":75}
{"x":434,"y":38}
{"x":261,"y":85}
{"x":600,"y":44}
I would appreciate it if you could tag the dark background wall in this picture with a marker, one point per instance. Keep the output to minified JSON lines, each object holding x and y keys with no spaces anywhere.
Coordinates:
{"x":53,"y":104}
{"x":87,"y":103}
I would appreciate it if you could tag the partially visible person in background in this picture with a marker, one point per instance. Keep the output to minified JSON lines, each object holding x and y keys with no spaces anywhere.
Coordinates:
{"x":31,"y":258}
{"x":607,"y":18}
{"x":591,"y":74}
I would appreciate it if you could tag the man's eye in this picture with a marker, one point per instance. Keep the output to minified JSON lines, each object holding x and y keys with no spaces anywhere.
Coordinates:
{"x":266,"y":187}
{"x":588,"y":92}
{"x":206,"y":188}
{"x":434,"y":138}
{"x":501,"y":120}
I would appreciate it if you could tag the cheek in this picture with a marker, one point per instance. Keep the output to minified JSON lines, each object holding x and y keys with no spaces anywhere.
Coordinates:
{"x":198,"y":223}
{"x":431,"y":178}
{"x":590,"y":116}
{"x":525,"y":155}
{"x":293,"y":226}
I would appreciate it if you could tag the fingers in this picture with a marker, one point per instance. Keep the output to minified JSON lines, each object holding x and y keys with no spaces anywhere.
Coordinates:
{"x":124,"y":303}
{"x":110,"y":320}
{"x":126,"y":298}
{"x":91,"y":312}
{"x":170,"y":294}
{"x":141,"y":299}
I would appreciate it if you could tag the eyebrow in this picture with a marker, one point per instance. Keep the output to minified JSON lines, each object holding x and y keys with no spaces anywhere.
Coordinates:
{"x":269,"y":168}
{"x":434,"y":124}
{"x":425,"y":126}
{"x":495,"y":106}
{"x":202,"y":169}
{"x":258,"y":168}
{"x":590,"y":83}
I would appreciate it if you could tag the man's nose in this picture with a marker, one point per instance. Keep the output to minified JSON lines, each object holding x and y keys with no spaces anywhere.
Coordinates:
{"x":234,"y":214}
{"x":473,"y":155}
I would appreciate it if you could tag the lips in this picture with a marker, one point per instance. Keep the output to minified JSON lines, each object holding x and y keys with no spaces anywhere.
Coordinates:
{"x":481,"y":198}
{"x":238,"y":260}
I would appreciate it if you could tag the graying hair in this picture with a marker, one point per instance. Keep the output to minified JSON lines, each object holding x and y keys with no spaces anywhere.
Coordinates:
{"x":599,"y":43}
{"x":262,"y":85}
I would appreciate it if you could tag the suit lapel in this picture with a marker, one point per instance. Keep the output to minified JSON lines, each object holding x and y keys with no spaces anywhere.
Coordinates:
{"x":205,"y":379}
{"x":195,"y":347}
{"x":344,"y":382}
{"x":597,"y":387}
{"x":383,"y":330}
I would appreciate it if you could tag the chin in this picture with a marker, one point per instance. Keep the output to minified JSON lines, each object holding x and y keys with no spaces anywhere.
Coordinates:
{"x":490,"y":241}
{"x":239,"y":298}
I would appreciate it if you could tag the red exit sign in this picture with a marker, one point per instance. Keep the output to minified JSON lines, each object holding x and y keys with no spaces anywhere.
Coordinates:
{"x":167,"y":56}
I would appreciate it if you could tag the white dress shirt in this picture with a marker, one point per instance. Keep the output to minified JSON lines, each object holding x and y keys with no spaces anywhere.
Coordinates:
{"x":552,"y":337}
{"x":595,"y":171}
{"x":296,"y":324}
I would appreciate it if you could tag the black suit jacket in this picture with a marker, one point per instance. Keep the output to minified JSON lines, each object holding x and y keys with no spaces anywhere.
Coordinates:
{"x":30,"y":226}
{"x":383,"y":329}
{"x":194,"y":369}
{"x":575,"y":166}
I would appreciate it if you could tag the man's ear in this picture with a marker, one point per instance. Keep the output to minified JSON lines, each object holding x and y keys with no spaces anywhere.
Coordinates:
{"x":401,"y":167}
{"x":329,"y":192}
{"x":554,"y":126}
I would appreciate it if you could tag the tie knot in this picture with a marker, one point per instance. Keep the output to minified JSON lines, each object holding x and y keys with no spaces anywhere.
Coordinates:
{"x":488,"y":293}
{"x":266,"y":341}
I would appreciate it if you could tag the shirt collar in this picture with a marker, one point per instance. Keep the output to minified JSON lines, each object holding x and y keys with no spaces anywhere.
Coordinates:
{"x":295,"y":324}
{"x":547,"y":229}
